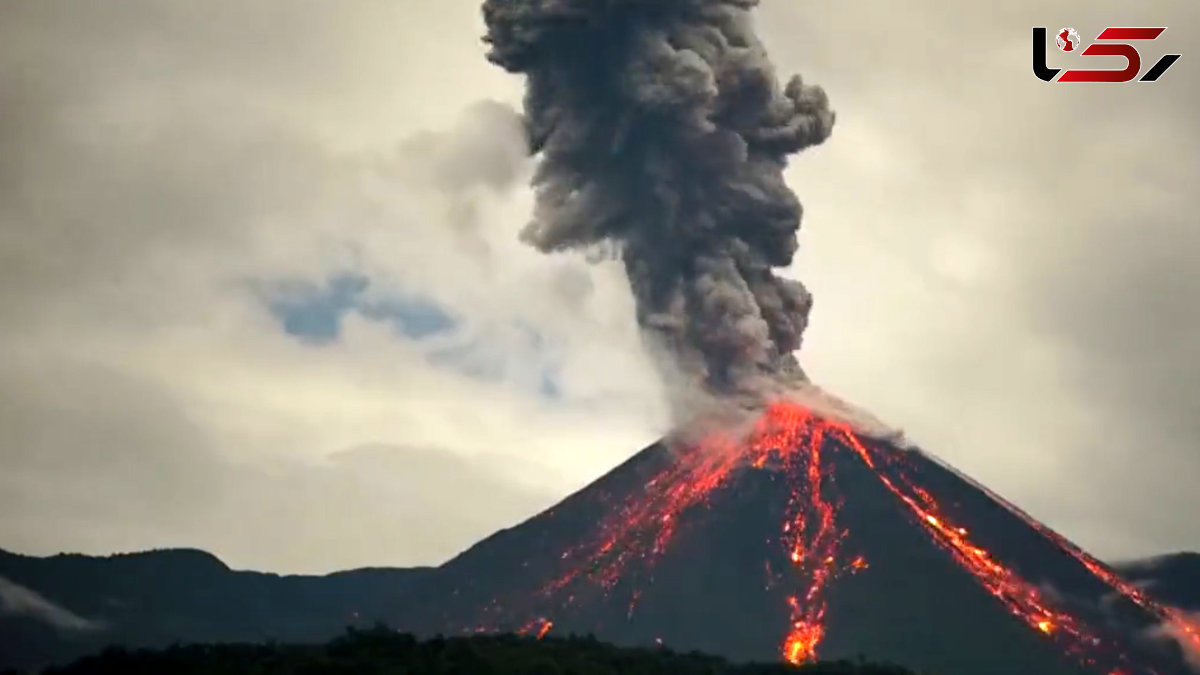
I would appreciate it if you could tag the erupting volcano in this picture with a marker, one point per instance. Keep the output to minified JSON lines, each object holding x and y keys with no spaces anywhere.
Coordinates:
{"x":662,"y":136}
{"x":801,"y":538}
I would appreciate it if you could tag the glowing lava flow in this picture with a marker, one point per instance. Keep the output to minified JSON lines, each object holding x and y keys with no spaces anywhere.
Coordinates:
{"x":793,"y":440}
{"x":1185,"y":629}
{"x":787,"y":435}
{"x":1023,"y":599}
{"x":795,"y":437}
{"x":622,"y":537}
{"x":542,"y":625}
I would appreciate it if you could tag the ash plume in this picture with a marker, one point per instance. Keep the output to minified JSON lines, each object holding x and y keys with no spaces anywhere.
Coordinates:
{"x":663,"y":134}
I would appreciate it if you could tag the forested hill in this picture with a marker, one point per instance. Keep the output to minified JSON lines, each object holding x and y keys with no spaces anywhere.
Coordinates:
{"x":381,"y":651}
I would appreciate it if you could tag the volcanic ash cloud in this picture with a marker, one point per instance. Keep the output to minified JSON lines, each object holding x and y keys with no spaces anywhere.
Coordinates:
{"x":663,"y":134}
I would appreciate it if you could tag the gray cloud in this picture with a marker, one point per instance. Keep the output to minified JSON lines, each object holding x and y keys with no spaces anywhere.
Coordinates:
{"x":487,"y":147}
{"x":108,"y":462}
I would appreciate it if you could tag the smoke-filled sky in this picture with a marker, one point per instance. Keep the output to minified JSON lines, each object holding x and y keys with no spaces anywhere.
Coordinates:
{"x":262,"y":293}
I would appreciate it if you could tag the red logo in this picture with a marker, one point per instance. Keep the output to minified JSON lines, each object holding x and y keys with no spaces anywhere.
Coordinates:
{"x":1110,"y":42}
{"x":1067,"y":39}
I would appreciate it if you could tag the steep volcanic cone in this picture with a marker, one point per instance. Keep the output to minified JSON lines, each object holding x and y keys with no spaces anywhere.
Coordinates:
{"x":804,"y":540}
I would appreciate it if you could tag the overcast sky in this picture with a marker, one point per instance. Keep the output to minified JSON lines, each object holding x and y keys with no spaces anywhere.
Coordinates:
{"x":260,"y":289}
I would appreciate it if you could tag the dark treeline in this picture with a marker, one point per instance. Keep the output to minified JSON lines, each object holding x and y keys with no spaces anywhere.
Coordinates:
{"x":381,"y":651}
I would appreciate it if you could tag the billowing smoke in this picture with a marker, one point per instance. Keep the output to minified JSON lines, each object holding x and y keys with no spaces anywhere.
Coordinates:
{"x":663,"y":134}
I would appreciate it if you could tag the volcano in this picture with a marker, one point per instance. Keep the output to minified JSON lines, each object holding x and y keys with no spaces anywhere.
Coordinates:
{"x":802,"y":539}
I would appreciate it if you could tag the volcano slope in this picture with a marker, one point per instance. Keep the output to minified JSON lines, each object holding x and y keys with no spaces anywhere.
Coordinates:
{"x":803,"y":540}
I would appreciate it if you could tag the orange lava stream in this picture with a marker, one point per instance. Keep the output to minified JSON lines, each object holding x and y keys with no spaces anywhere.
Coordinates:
{"x":793,"y":438}
{"x":1023,"y":599}
{"x":543,"y":626}
{"x":798,"y":432}
{"x":686,"y":483}
{"x":1185,"y":629}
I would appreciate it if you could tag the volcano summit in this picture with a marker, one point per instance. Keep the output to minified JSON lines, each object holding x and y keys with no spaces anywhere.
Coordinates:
{"x":800,"y":540}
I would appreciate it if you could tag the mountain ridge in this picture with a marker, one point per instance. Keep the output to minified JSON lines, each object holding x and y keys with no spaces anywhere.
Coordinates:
{"x":60,"y":607}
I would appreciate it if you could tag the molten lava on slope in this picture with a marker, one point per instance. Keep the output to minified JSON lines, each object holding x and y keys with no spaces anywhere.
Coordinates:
{"x":859,"y":552}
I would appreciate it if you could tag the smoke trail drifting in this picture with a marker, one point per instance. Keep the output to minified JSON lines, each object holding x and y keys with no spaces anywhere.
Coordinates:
{"x":664,"y":132}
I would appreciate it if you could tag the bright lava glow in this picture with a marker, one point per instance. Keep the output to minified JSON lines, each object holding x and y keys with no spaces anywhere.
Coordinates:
{"x":792,"y":439}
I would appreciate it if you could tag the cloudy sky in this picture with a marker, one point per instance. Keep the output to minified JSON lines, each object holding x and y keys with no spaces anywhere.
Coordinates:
{"x":260,"y":289}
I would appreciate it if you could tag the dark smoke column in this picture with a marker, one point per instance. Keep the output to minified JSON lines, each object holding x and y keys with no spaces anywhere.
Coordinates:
{"x":663,"y":131}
